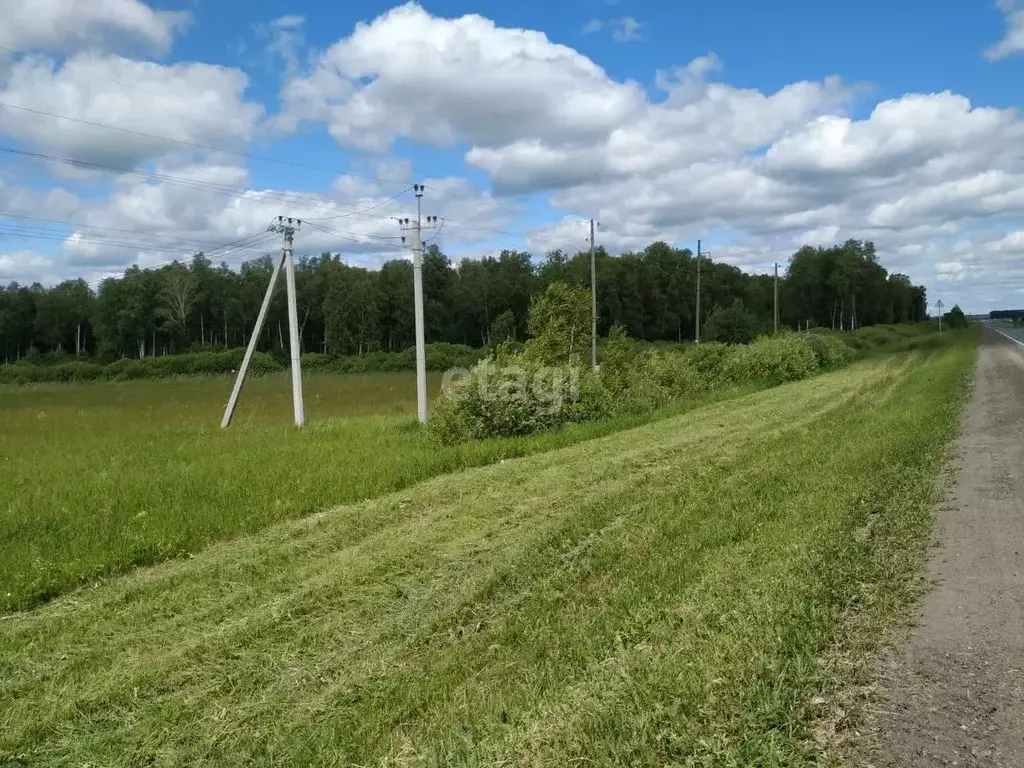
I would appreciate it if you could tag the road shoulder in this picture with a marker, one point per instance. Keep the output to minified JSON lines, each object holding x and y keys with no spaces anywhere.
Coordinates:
{"x":953,"y":692}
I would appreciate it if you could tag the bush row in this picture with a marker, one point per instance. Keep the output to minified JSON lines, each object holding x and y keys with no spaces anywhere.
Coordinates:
{"x":881,"y":336}
{"x":440,"y":357}
{"x":515,"y":394}
{"x":191,"y":364}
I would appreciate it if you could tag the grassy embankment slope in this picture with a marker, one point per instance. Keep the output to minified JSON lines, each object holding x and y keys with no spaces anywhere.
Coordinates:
{"x":658,"y":595}
{"x":100,"y":478}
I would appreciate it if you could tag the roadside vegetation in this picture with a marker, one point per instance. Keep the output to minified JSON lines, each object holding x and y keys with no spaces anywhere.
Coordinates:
{"x":658,"y":596}
{"x":109,"y":476}
{"x":549,"y":382}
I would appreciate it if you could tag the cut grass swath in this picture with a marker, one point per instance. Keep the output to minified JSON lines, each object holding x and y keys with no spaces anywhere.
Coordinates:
{"x":657,"y":596}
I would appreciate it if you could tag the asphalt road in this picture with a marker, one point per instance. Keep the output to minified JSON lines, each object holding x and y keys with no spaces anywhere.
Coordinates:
{"x":954,"y":695}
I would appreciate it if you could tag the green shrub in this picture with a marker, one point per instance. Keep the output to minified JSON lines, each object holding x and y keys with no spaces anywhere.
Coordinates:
{"x":24,"y":373}
{"x":872,"y":336}
{"x":318,"y":362}
{"x":639,"y":378}
{"x":708,"y":357}
{"x":619,"y":355}
{"x":775,"y":359}
{"x":922,"y":341}
{"x":829,"y":350}
{"x":126,"y":369}
{"x":133,"y":369}
{"x":560,"y":323}
{"x":262,"y":364}
{"x":507,"y":397}
{"x":78,"y":371}
{"x":439,"y":357}
{"x":731,"y":325}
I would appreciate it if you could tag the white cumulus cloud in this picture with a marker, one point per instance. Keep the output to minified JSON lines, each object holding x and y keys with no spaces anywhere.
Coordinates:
{"x":186,"y":102}
{"x":1013,"y":41}
{"x":63,"y":25}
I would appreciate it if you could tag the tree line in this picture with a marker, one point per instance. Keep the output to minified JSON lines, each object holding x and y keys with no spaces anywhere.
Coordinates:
{"x":351,"y":310}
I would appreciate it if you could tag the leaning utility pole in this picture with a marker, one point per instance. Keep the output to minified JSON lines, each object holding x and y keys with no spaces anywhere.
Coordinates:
{"x":593,"y":301}
{"x":286,"y":227}
{"x":417,"y":288}
{"x":776,"y":312}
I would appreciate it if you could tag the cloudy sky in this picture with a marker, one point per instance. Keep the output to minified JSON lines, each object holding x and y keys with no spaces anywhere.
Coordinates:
{"x":138,"y":133}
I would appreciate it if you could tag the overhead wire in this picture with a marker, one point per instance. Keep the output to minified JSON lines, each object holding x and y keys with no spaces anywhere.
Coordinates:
{"x":181,"y":142}
{"x":364,"y":210}
{"x":334,"y":230}
{"x":463,"y":225}
{"x":252,"y":248}
{"x":242,"y":193}
{"x":295,"y":200}
{"x":436,"y":234}
{"x":32,"y":233}
{"x":170,"y":237}
{"x":354,"y":236}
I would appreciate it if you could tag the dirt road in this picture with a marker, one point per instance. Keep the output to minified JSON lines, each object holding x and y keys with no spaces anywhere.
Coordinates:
{"x":955,"y":694}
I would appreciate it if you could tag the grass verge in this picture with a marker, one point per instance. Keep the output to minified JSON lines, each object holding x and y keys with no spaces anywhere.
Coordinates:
{"x":659,"y":596}
{"x":100,"y":478}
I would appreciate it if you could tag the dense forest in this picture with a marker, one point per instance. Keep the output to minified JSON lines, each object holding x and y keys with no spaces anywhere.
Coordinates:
{"x":350,"y":310}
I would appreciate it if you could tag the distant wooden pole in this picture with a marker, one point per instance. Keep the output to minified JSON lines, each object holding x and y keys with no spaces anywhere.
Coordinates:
{"x":776,"y":312}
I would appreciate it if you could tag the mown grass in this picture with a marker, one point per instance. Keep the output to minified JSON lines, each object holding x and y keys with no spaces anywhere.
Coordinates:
{"x":98,"y":478}
{"x":659,"y":596}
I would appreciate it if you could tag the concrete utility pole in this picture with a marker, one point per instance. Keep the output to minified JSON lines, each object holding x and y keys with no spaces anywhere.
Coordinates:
{"x":593,"y":300}
{"x":293,"y":326}
{"x":286,"y":227}
{"x":776,"y":312}
{"x":417,"y":288}
{"x":939,"y":305}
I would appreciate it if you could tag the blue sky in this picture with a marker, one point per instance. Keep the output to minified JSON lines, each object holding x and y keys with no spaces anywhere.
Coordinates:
{"x":756,"y":126}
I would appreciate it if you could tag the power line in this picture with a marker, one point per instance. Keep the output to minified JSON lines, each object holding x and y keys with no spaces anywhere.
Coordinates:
{"x":436,"y":234}
{"x":364,"y":210}
{"x":241,"y":193}
{"x":354,"y":238}
{"x":200,"y":244}
{"x":462,"y":225}
{"x":186,"y":244}
{"x":257,"y":245}
{"x":49,"y":234}
{"x":333,"y":231}
{"x":181,"y":142}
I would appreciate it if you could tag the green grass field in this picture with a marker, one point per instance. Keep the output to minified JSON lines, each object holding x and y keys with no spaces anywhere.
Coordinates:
{"x":98,"y":478}
{"x":663,"y":595}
